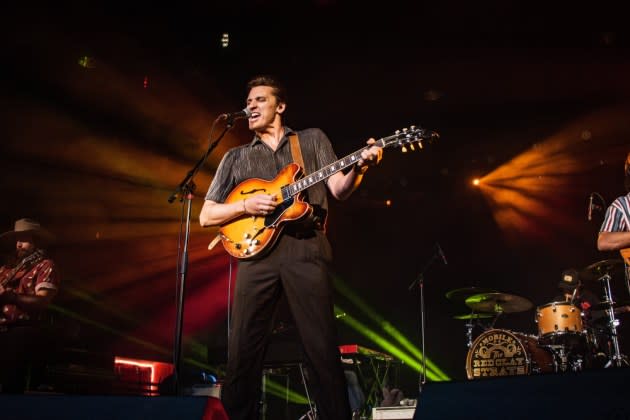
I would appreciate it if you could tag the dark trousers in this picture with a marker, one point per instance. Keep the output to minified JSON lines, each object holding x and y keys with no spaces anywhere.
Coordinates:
{"x":21,"y":347}
{"x":299,"y":269}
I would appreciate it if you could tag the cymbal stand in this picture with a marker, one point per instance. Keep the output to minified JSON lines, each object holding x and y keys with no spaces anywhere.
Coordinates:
{"x":469,"y":329}
{"x":613,"y":323}
{"x":470,"y":326}
{"x":560,"y":359}
{"x":499,"y":312}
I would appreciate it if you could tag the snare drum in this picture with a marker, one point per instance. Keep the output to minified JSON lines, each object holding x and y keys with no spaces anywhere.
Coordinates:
{"x":557,"y":318}
{"x":507,"y":353}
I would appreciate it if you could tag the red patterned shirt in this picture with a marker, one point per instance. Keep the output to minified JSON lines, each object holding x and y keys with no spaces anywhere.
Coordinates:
{"x":27,"y":281}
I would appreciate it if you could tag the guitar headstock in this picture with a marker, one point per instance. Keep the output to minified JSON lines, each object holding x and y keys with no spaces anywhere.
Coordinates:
{"x":410,"y":137}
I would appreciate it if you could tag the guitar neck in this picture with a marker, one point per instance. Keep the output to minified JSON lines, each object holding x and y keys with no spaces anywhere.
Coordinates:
{"x":327,"y":171}
{"x":32,"y":259}
{"x":398,"y":139}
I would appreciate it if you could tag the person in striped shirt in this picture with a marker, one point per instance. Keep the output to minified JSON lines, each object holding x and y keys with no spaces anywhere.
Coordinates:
{"x":614,"y":233}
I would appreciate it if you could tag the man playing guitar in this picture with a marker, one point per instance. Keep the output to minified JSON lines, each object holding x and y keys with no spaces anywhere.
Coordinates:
{"x":295,"y":264}
{"x":28,"y":283}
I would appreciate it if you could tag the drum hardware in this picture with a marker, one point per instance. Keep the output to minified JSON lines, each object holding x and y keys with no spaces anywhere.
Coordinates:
{"x":616,"y":359}
{"x":459,"y":296}
{"x":469,"y":329}
{"x":565,"y":359}
{"x":561,"y":330}
{"x":472,"y":321}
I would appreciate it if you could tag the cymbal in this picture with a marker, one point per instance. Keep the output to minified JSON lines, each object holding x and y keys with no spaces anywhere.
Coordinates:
{"x":473,"y":316}
{"x":606,"y":305}
{"x":598,"y":269}
{"x":600,"y":306}
{"x":460,"y":295}
{"x":498,"y":302}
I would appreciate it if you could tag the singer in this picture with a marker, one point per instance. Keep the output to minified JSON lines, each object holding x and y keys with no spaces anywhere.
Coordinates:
{"x":615,"y":230}
{"x":297,"y":265}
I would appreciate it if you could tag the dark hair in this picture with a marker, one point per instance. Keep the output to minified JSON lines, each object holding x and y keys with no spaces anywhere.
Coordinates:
{"x":626,"y":168}
{"x":265,"y":80}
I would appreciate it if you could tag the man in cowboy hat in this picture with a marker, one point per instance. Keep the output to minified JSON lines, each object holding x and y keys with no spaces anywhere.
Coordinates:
{"x":28,"y":283}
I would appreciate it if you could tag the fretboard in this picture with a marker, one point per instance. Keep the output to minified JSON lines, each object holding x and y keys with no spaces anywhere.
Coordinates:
{"x":291,"y":190}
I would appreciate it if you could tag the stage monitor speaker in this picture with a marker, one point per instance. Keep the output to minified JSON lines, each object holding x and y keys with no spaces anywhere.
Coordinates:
{"x":588,"y":394}
{"x":80,"y":407}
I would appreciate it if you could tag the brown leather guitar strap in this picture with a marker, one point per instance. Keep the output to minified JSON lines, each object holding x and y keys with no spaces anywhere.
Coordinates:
{"x":296,"y":151}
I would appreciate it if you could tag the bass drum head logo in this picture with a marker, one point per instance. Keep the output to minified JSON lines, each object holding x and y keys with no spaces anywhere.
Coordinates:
{"x":496,"y":353}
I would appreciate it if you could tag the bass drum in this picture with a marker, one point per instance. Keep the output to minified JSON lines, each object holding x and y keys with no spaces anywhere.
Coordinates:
{"x":507,"y":353}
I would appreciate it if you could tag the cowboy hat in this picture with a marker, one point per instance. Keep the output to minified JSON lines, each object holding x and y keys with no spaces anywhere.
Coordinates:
{"x":28,"y":226}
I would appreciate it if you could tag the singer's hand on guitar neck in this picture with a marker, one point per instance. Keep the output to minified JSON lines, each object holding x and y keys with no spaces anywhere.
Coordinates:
{"x":369,"y":157}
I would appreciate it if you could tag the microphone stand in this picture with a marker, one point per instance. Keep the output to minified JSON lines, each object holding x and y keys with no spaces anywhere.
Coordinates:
{"x":185,"y":192}
{"x":420,"y":282}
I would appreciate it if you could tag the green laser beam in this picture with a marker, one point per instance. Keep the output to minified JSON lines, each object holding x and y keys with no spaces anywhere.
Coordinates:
{"x":387,"y":346}
{"x":386,"y":326}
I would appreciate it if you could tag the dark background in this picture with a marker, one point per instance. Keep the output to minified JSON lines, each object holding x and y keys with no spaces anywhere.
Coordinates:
{"x":108,"y":106}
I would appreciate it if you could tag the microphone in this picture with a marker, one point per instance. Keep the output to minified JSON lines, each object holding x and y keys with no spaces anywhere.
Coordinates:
{"x":590,"y":207}
{"x":439,"y":249}
{"x":231,"y":116}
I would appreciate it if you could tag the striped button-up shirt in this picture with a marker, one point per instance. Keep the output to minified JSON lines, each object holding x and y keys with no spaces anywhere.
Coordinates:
{"x":617,"y":217}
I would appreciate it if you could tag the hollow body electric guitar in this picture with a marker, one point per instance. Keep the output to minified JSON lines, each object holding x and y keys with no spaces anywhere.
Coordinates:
{"x":248,"y":236}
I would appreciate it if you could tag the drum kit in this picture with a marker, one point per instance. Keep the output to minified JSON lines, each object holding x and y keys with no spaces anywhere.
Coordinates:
{"x":567,"y":339}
